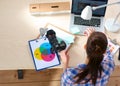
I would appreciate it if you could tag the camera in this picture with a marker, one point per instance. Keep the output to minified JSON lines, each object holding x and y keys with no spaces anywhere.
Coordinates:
{"x":55,"y":45}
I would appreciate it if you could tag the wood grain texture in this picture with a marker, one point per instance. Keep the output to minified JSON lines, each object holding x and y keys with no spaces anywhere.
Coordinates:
{"x":49,"y":77}
{"x":51,"y":83}
{"x":11,"y":76}
{"x":114,"y":81}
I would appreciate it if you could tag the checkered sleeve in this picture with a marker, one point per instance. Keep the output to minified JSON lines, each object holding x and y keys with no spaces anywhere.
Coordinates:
{"x":108,"y":64}
{"x":67,"y":76}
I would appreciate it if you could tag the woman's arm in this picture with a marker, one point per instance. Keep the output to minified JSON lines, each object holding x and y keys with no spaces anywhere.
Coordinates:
{"x":88,"y":31}
{"x":65,"y":58}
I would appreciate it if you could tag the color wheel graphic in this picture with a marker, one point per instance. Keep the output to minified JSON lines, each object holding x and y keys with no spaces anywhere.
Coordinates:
{"x":43,"y":52}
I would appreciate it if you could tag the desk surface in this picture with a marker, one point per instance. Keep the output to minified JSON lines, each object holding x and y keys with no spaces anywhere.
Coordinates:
{"x":19,"y":26}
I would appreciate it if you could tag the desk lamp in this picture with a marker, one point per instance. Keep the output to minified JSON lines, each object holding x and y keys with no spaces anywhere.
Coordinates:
{"x":110,"y":24}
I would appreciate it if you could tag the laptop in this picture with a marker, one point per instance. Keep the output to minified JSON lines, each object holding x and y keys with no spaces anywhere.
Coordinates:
{"x":79,"y":25}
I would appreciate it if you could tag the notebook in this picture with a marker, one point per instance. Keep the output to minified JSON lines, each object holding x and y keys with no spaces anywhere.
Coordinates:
{"x":78,"y":25}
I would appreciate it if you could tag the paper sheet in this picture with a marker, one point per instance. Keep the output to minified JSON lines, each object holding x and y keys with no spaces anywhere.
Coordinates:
{"x":69,"y":38}
{"x":41,"y":54}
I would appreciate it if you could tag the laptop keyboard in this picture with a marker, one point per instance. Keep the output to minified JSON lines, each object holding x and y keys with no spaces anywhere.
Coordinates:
{"x":93,"y":22}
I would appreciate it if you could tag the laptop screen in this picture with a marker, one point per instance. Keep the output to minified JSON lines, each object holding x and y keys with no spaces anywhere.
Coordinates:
{"x":79,"y":5}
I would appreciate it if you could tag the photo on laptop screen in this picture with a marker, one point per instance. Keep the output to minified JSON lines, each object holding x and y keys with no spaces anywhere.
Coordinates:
{"x":78,"y":25}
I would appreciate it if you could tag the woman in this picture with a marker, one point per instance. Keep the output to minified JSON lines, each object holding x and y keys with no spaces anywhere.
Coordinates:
{"x":98,"y":66}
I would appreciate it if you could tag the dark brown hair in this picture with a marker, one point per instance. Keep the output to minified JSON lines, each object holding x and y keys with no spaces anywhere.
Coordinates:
{"x":95,"y":48}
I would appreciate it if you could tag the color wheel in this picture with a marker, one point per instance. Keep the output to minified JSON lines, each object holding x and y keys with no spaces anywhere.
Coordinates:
{"x":43,"y":52}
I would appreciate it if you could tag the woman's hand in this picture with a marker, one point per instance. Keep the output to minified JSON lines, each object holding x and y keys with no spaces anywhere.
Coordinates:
{"x":65,"y":58}
{"x":88,"y":31}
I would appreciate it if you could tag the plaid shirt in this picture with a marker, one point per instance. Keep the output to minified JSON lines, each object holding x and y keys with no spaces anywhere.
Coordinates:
{"x":108,"y":67}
